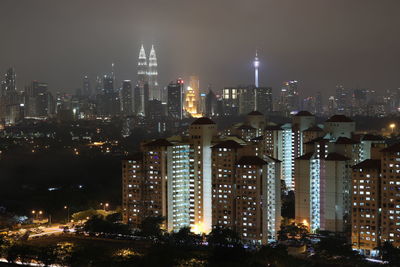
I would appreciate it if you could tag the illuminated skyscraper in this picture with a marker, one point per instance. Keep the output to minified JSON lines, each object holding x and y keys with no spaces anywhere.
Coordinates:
{"x":126,"y":98}
{"x":154,"y":91}
{"x":175,"y":100}
{"x":142,"y":67}
{"x":256,"y":65}
{"x":289,"y":98}
{"x":86,"y":89}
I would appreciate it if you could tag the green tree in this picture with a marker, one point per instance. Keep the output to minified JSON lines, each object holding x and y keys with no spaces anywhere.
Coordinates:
{"x":223,"y":237}
{"x":97,"y":224}
{"x":151,"y":226}
{"x":336,"y":248}
{"x":389,"y":253}
{"x":184,"y":237}
{"x":292,"y":231}
{"x":47,"y":255}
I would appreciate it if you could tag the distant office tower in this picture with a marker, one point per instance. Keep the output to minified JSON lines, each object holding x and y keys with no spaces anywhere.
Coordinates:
{"x":264,"y":99}
{"x":289,"y":99}
{"x":137,"y":100}
{"x":230,"y":100}
{"x":9,"y":84}
{"x":108,"y":100}
{"x":247,"y":100}
{"x":99,"y":85}
{"x":202,"y":104}
{"x":201,"y":133}
{"x":342,"y":99}
{"x":155,"y":110}
{"x":293,"y":96}
{"x":11,"y":104}
{"x":108,"y":84}
{"x":175,"y":100}
{"x":361,"y":99}
{"x":256,"y":64}
{"x":86,"y":88}
{"x":194,"y":83}
{"x":331,"y":105}
{"x":154,"y":90}
{"x":192,"y":97}
{"x":37,"y":100}
{"x":126,"y":98}
{"x":211,"y":104}
{"x":318,"y":104}
{"x":391,"y":101}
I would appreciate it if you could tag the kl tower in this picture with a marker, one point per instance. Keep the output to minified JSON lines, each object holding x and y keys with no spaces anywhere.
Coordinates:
{"x":256,"y":63}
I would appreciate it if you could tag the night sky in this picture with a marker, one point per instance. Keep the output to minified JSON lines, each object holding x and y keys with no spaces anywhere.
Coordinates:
{"x":321,"y":43}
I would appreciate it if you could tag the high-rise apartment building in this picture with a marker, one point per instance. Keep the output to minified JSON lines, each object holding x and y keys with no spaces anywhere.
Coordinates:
{"x":246,"y":192}
{"x":157,"y":184}
{"x":375,"y":200}
{"x":323,"y":174}
{"x":205,"y":180}
{"x":201,"y":134}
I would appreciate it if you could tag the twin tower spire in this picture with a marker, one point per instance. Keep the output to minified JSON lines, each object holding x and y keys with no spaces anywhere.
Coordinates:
{"x":147,"y":73}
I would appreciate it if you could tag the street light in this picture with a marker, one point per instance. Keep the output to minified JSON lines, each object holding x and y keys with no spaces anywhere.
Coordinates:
{"x":67,"y":208}
{"x":392,"y":126}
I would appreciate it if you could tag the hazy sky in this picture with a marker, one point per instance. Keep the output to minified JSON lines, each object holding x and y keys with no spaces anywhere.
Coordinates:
{"x":321,"y":43}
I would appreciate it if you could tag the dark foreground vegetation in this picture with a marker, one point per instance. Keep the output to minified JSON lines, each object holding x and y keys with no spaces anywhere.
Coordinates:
{"x":151,"y":246}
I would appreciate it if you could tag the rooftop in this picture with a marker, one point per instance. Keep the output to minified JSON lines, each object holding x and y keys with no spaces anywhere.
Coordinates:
{"x":314,"y":129}
{"x":392,"y":149}
{"x":203,"y":121}
{"x":245,"y":127}
{"x":251,"y":160}
{"x":159,"y":142}
{"x":273,"y":128}
{"x":303,"y":113}
{"x":339,"y":118}
{"x":138,"y":156}
{"x":345,"y":141}
{"x":227,"y":144}
{"x":372,"y":137}
{"x":255,"y":113}
{"x":336,"y":157}
{"x":368,"y":164}
{"x":258,"y":138}
{"x":316,"y":140}
{"x":306,"y":156}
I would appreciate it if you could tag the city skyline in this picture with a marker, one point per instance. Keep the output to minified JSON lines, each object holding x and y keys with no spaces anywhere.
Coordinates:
{"x":349,"y":49}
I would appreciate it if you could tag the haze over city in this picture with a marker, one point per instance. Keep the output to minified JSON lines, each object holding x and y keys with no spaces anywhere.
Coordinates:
{"x":200,"y":133}
{"x":320,"y":43}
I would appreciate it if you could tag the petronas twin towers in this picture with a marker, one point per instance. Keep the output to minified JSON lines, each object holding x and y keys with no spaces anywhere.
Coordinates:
{"x":147,"y":73}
